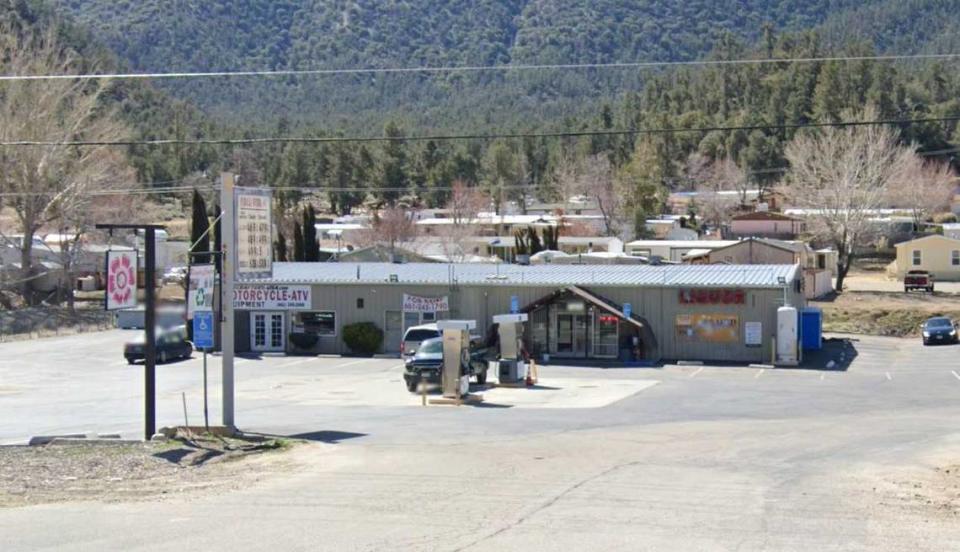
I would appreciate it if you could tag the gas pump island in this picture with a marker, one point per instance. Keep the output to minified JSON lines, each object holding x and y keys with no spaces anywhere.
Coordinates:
{"x":456,"y":355}
{"x":510,"y":368}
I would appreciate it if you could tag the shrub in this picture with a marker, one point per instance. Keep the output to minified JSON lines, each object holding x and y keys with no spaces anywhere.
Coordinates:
{"x":363,"y":338}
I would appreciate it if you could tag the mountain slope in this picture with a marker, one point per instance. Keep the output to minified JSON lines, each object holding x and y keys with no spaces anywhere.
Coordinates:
{"x":186,"y":35}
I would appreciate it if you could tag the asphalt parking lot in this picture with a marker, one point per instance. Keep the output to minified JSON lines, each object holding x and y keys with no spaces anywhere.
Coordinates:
{"x":675,"y":457}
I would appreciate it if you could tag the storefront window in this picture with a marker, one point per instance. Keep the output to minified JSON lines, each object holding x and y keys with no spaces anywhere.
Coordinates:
{"x":319,"y":323}
{"x":605,"y":342}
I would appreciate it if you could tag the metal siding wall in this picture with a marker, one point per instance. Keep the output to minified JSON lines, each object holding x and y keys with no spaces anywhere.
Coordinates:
{"x":659,"y":306}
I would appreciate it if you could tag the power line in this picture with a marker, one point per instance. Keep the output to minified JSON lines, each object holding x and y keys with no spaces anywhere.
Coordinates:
{"x":453,"y":137}
{"x":476,"y":68}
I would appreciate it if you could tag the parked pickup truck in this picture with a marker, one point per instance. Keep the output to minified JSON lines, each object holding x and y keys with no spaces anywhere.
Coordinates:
{"x":918,"y":279}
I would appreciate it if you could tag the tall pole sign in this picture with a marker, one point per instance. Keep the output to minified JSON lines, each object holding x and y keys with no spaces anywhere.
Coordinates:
{"x":228,"y":257}
{"x":247,"y":255}
{"x":122,"y":293}
{"x":253,"y":234}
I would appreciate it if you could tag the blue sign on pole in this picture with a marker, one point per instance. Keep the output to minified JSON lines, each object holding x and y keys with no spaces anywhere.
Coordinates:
{"x":514,"y":304}
{"x":203,"y":329}
{"x":627,"y":310}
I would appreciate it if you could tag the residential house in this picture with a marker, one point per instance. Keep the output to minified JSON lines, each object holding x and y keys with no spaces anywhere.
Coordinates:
{"x":673,"y":250}
{"x":937,"y":254}
{"x":816,"y":265}
{"x":766,"y":224}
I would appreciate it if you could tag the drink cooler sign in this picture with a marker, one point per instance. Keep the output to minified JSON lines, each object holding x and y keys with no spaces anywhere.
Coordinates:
{"x":247,"y":297}
{"x":414,"y":303}
{"x":709,"y":328}
{"x":254,"y":227}
{"x":121,"y":280}
{"x":200,"y":294}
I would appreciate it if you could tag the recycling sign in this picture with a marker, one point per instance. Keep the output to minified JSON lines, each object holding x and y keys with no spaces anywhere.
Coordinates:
{"x":200,"y":292}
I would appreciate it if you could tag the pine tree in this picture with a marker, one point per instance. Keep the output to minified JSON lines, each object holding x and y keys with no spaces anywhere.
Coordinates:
{"x":199,"y":230}
{"x":281,"y":247}
{"x":297,"y":243}
{"x":311,"y":247}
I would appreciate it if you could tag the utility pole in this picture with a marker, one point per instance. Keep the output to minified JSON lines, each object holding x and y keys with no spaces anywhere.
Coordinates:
{"x":228,"y":258}
{"x":149,"y":322}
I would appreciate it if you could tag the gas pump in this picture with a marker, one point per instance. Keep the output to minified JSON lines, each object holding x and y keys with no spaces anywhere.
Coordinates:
{"x":456,"y":353}
{"x":510,"y":327}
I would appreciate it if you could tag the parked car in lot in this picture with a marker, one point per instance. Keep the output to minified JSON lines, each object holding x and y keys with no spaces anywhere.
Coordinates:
{"x":171,"y":344}
{"x":415,"y":335}
{"x":427,"y":363}
{"x":939,"y":330}
{"x":175,"y":275}
{"x":918,"y":279}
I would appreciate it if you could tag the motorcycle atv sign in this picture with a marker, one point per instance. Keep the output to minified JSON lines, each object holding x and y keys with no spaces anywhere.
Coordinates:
{"x":121,"y":280}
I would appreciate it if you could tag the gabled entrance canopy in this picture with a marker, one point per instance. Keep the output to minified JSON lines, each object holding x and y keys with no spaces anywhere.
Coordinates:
{"x":648,"y":341}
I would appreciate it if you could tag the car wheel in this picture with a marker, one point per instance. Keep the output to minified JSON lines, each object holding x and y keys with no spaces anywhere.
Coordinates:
{"x":412,"y":386}
{"x":131,"y":361}
{"x":482,"y":377}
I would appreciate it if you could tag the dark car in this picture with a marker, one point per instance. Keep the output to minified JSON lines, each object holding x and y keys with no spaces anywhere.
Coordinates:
{"x":427,"y":364}
{"x":939,"y":330}
{"x":171,"y":344}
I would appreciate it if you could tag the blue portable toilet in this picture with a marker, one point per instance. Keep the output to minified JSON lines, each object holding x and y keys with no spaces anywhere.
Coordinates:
{"x":811,"y":329}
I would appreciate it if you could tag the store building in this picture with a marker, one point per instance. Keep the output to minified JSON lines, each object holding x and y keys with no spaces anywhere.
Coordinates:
{"x":598,"y":312}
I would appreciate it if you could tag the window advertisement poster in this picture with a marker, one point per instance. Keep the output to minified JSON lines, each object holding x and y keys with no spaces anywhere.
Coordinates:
{"x":753,"y":334}
{"x":200,"y":290}
{"x":254,"y":233}
{"x":415,"y":303}
{"x":278,"y":297}
{"x":709,"y":328}
{"x":121,"y":280}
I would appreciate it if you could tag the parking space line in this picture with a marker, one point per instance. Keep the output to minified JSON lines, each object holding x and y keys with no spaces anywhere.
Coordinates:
{"x":700,"y":369}
{"x":344,"y":365}
{"x":955,"y":374}
{"x":823,"y":377}
{"x":760,"y":373}
{"x":889,"y":377}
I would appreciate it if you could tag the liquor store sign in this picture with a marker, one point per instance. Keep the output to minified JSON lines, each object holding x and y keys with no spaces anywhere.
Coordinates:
{"x":712,"y":297}
{"x":250,"y":297}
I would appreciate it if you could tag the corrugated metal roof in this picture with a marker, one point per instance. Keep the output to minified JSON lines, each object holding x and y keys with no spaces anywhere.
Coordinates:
{"x":749,"y":276}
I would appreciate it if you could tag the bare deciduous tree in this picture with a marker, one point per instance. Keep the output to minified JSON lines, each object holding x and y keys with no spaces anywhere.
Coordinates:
{"x":390,"y":226}
{"x":844,"y":176}
{"x":465,"y":205}
{"x":924,"y":188}
{"x":50,"y":183}
{"x":593,"y":177}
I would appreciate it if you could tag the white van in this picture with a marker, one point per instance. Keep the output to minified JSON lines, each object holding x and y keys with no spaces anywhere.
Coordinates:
{"x":416,"y":335}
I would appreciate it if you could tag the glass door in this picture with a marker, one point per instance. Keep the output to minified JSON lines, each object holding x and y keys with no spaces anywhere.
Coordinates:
{"x":267,"y":331}
{"x":572,"y":335}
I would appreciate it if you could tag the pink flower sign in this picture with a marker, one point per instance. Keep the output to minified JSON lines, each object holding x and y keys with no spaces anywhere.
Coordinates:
{"x":121,"y":280}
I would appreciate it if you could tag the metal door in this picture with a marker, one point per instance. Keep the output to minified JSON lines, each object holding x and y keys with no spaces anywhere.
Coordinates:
{"x":393,"y":331}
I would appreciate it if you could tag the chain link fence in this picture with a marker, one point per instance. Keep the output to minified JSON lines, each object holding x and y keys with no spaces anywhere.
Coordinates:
{"x":47,"y":321}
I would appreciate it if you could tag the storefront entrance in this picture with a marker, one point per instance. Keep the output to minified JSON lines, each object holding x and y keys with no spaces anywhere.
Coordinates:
{"x":571,"y":335}
{"x":577,"y":324}
{"x":267,"y":331}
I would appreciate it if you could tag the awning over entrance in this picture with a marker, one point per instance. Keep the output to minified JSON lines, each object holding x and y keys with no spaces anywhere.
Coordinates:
{"x":647,"y":338}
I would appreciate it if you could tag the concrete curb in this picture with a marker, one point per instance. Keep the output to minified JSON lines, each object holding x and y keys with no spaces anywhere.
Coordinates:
{"x":689,"y":363}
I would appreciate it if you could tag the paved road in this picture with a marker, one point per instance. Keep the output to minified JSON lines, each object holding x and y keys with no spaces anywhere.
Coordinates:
{"x":710,"y":458}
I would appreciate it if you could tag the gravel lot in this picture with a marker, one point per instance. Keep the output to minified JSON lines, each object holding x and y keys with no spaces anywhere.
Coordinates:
{"x":126,"y":472}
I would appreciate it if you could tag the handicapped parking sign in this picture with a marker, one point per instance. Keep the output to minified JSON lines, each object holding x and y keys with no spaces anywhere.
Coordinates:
{"x":203,"y":329}
{"x":514,"y":304}
{"x":627,"y":310}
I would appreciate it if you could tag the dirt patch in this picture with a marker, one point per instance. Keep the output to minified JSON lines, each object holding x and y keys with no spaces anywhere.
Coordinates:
{"x":923,"y":493}
{"x":887,"y":314}
{"x":133,"y":471}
